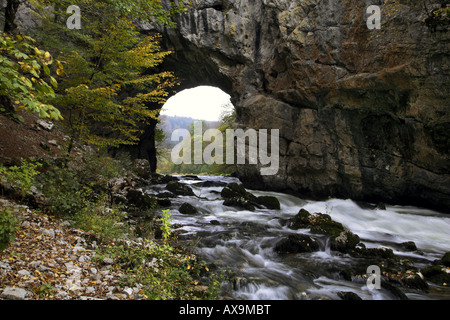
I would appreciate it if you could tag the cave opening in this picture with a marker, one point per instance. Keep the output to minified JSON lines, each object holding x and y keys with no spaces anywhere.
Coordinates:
{"x":206,"y":104}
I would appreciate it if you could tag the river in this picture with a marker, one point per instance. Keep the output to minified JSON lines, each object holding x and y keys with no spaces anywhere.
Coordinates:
{"x":244,"y":240}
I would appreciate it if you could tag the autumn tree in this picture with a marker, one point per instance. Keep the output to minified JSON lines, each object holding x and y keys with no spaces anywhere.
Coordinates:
{"x":26,"y":79}
{"x":111,"y":86}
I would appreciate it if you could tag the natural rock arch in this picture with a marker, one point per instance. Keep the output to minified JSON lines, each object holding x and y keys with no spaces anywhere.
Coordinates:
{"x":353,"y":119}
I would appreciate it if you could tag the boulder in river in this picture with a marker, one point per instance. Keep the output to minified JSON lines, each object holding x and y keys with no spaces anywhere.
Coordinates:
{"x":179,"y":188}
{"x":439,"y":273}
{"x":233,"y":190}
{"x":345,"y":242}
{"x":348,"y":295}
{"x":187,"y":208}
{"x":269,"y":202}
{"x":342,"y":240}
{"x":446,"y":259}
{"x":408,"y":246}
{"x":235,"y":195}
{"x":297,"y":243}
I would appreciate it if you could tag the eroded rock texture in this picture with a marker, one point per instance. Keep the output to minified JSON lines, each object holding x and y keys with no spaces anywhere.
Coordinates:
{"x":362,"y":113}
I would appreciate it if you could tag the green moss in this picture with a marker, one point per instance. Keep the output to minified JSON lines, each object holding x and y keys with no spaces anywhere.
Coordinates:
{"x":324,"y":225}
{"x":300,"y":220}
{"x":436,"y":274}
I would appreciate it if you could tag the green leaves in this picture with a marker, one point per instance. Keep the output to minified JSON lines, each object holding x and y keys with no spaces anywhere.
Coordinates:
{"x":21,"y":176}
{"x":25,"y":75}
{"x":8,"y":226}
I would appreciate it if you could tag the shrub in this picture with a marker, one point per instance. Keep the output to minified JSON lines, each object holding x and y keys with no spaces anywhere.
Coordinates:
{"x":8,"y":226}
{"x":21,"y":176}
{"x":165,"y":224}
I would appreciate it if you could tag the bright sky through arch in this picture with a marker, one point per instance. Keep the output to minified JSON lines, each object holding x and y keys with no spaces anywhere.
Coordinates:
{"x":203,"y":103}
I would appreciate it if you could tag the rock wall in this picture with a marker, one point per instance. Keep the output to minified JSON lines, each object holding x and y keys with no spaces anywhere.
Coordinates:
{"x":362,"y":113}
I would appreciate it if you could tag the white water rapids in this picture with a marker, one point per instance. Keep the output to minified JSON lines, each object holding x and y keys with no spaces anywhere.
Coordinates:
{"x":244,"y":240}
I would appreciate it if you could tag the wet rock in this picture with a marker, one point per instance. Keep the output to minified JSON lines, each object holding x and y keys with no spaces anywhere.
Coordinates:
{"x":381,"y":206}
{"x":348,"y":295}
{"x":235,"y":195}
{"x":296,"y":243}
{"x":269,"y":202}
{"x":187,"y":208}
{"x":157,"y":178}
{"x":437,"y":274}
{"x":179,"y":189}
{"x":190,"y":177}
{"x":396,"y":291}
{"x":446,"y":259}
{"x":164,"y":202}
{"x":408,"y":246}
{"x":414,"y":281}
{"x":317,"y":222}
{"x":345,"y":242}
{"x":239,"y":202}
{"x":300,"y":220}
{"x":233,"y":190}
{"x":165,"y":195}
{"x":383,"y":253}
{"x":342,"y":240}
{"x":323,"y":224}
{"x":209,"y":183}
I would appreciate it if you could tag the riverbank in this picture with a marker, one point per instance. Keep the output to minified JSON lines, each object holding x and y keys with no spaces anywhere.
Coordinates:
{"x":51,"y":260}
{"x":215,"y":224}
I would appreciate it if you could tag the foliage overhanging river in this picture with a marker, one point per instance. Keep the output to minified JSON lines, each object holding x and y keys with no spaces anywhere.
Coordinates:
{"x":244,"y":241}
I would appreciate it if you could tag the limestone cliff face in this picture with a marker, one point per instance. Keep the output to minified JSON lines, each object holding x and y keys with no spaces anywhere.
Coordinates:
{"x":362,"y":114}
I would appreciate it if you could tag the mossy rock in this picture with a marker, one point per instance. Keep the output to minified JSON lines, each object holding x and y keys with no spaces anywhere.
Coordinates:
{"x":414,"y":281}
{"x":348,"y":295}
{"x":436,"y":274}
{"x":300,"y":220}
{"x":269,"y":202}
{"x":296,"y":243}
{"x":345,"y":242}
{"x":408,"y":246}
{"x":394,"y":290}
{"x":179,"y":188}
{"x":233,"y":190}
{"x":239,"y":202}
{"x":446,"y":259}
{"x":325,"y":225}
{"x":383,"y":253}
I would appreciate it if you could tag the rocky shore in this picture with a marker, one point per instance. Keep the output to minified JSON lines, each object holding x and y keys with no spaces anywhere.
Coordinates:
{"x":49,"y":259}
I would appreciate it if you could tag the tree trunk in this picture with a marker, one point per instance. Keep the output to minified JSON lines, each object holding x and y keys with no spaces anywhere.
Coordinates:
{"x":10,"y":15}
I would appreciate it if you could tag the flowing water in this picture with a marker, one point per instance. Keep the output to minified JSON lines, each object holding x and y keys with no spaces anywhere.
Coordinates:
{"x":244,"y":240}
